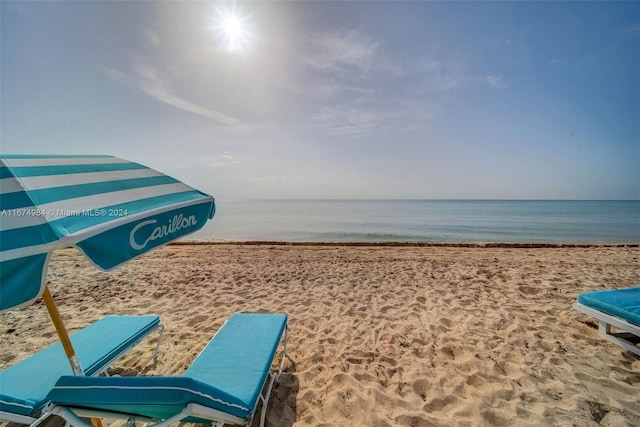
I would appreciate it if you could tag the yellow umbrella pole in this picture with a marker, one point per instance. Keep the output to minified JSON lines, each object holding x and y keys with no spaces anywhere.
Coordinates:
{"x":76,"y":367}
{"x":62,"y":332}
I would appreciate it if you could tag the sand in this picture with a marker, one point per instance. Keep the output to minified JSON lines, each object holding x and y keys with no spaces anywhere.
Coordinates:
{"x":378,"y":336}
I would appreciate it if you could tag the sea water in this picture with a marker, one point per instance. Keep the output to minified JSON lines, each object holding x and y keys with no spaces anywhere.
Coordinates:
{"x":426,"y":221}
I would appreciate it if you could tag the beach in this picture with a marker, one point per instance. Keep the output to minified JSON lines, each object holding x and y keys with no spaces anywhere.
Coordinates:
{"x":378,"y":335}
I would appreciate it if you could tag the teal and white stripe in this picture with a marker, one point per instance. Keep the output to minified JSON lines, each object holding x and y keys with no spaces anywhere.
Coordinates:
{"x":111,"y":209}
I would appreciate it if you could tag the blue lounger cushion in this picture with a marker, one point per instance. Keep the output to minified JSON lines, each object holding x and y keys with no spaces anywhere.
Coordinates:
{"x":228,"y":375}
{"x":24,"y":386}
{"x":153,"y":397}
{"x":622,"y":303}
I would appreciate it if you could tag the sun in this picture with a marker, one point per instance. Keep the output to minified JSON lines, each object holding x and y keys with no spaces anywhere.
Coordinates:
{"x":233,"y":28}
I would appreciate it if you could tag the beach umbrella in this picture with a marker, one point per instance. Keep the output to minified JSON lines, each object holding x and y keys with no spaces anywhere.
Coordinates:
{"x":111,"y":209}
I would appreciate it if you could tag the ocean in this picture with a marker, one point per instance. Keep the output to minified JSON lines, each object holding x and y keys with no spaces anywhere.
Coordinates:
{"x":425,"y":221}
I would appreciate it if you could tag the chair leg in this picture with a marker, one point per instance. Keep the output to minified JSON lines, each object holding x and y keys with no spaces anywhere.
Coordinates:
{"x":154,"y":358}
{"x":155,"y":353}
{"x":45,"y":415}
{"x":272,"y":378}
{"x":265,"y":399}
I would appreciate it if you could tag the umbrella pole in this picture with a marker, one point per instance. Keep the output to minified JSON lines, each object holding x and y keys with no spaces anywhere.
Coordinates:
{"x":64,"y":339}
{"x":62,"y":332}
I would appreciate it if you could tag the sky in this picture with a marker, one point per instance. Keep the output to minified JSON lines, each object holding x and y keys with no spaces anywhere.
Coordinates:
{"x":420,"y":100}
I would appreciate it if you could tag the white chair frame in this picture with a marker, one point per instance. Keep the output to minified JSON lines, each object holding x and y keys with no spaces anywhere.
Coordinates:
{"x":628,"y":334}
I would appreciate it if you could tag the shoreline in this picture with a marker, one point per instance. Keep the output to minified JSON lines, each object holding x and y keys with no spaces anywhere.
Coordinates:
{"x":523,"y":245}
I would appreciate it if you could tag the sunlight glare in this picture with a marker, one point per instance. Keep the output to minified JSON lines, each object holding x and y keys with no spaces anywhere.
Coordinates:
{"x":232,"y":28}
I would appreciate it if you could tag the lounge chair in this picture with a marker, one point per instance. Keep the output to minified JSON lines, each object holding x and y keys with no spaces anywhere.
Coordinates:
{"x":617,"y":308}
{"x":224,"y":385}
{"x":24,"y":386}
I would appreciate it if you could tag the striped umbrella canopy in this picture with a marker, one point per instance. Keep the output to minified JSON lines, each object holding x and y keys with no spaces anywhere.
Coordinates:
{"x":111,"y":209}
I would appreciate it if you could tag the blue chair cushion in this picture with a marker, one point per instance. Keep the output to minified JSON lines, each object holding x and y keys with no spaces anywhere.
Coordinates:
{"x":24,"y":386}
{"x":622,"y":303}
{"x":239,"y":357}
{"x":154,"y":397}
{"x":228,"y":375}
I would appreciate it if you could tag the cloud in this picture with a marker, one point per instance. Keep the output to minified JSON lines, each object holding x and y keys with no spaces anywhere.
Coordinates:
{"x":221,"y":160}
{"x":152,"y":37}
{"x":321,"y":88}
{"x":344,"y":63}
{"x":359,"y":89}
{"x":347,"y":121}
{"x":444,"y":74}
{"x":356,"y":121}
{"x":441,"y":74}
{"x":326,"y":88}
{"x":346,"y":51}
{"x":149,"y":80}
{"x":495,"y":81}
